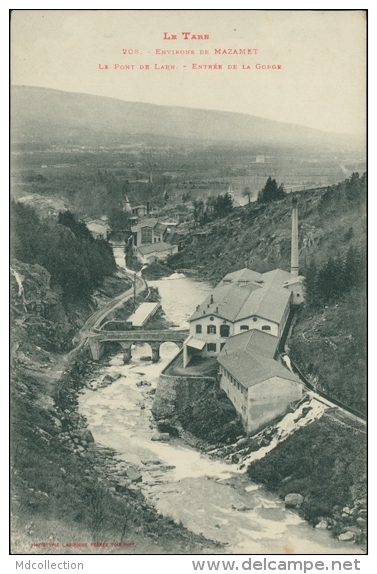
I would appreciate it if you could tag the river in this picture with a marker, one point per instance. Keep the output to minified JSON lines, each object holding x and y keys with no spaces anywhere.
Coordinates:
{"x":205,"y":495}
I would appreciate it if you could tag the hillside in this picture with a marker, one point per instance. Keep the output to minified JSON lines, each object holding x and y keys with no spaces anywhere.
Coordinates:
{"x":66,"y":489}
{"x":328,"y":342}
{"x":40,"y":113}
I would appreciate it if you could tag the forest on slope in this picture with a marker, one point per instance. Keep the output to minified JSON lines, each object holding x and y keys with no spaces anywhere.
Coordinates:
{"x":76,"y":261}
{"x":329,"y":339}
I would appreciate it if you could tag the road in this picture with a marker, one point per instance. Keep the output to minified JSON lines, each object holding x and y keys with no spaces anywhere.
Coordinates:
{"x":54,"y":374}
{"x":95,"y":320}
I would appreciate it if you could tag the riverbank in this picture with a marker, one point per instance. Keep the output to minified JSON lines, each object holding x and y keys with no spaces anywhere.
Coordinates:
{"x":71,"y":488}
{"x":313,"y":454}
{"x":69,"y":494}
{"x":68,"y":490}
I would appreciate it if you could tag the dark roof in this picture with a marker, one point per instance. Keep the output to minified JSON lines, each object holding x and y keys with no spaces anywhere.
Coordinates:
{"x":160,"y":227}
{"x":151,"y":222}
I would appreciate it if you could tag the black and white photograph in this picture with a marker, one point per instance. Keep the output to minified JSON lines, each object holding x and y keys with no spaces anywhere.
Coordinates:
{"x":188,"y":286}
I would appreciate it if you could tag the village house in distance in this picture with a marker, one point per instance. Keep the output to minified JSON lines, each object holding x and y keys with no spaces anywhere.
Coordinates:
{"x":99,"y":228}
{"x":148,"y":241}
{"x":241,"y":324}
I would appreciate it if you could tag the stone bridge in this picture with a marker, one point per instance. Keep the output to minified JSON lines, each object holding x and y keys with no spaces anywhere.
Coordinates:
{"x":127,"y":338}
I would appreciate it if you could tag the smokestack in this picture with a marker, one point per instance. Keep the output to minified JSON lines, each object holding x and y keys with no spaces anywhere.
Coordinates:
{"x":294,"y":240}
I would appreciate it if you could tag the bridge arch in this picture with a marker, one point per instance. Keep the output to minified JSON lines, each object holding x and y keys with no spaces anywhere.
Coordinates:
{"x":126,"y":339}
{"x":168,"y":349}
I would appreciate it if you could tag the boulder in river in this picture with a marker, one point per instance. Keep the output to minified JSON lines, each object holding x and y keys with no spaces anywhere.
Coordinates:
{"x":134,"y":475}
{"x":85,"y":435}
{"x":293,"y":500}
{"x":161,"y":437}
{"x":122,"y":486}
{"x":347,"y":536}
{"x":107,"y":379}
{"x":240,"y":507}
{"x":322,"y":525}
{"x":151,"y":462}
{"x":143,"y":384}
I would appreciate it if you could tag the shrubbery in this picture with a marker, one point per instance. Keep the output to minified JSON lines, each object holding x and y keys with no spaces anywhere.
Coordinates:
{"x":324,"y":462}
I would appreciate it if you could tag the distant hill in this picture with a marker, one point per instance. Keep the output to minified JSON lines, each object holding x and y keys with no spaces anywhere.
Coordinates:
{"x":52,"y":112}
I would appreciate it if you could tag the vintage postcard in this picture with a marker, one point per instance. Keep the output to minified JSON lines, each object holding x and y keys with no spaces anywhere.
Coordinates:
{"x":188,"y":324}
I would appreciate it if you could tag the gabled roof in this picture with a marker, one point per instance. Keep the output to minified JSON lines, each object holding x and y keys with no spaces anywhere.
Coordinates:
{"x":293,"y":280}
{"x":276,"y":277}
{"x":266,"y":303}
{"x":243,"y":275}
{"x":251,"y":370}
{"x":145,"y":223}
{"x":160,"y":227}
{"x":155,"y":247}
{"x":234,"y":302}
{"x":151,"y":222}
{"x":227,"y":302}
{"x":249,"y":358}
{"x":100,"y":222}
{"x":253,"y":341}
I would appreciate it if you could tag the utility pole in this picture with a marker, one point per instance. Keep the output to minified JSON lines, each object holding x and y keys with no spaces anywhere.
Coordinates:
{"x":134,"y":291}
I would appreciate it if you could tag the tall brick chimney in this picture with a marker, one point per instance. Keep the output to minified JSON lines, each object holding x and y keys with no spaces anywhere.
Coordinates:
{"x":294,"y":240}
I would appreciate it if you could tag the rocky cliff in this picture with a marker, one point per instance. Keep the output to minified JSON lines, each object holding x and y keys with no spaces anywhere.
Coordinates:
{"x":197,"y":405}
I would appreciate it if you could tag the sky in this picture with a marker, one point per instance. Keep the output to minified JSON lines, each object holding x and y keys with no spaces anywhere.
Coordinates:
{"x":320,"y":82}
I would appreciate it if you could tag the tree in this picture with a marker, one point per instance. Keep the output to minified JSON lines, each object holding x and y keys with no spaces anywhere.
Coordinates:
{"x":75,"y":260}
{"x":68,"y":219}
{"x":198,"y":210}
{"x":247,"y":193}
{"x":271,"y":191}
{"x":310,"y":284}
{"x":223,"y":205}
{"x":165,"y":197}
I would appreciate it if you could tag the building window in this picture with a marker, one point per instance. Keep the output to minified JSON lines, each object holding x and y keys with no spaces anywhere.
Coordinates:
{"x":146,"y":235}
{"x":211,"y":330}
{"x":221,"y":346}
{"x":266,"y":328}
{"x":198,"y":329}
{"x":224,"y":330}
{"x":244,"y":328}
{"x":255,"y":319}
{"x":211,"y":347}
